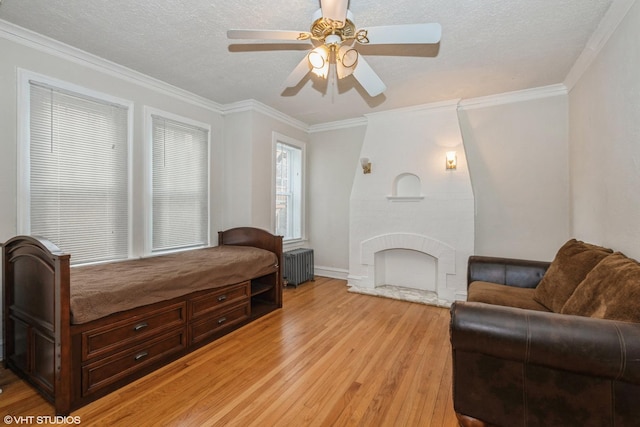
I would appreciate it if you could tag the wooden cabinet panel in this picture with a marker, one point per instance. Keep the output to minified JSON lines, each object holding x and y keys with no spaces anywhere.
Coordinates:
{"x":108,"y":370}
{"x":219,"y":320}
{"x":44,"y":364}
{"x":219,"y":298}
{"x":114,"y":337}
{"x":121,"y":351}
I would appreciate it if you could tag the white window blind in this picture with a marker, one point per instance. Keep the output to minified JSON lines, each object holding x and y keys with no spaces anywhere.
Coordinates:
{"x":78,"y":174}
{"x":288,"y":191}
{"x":180,"y":185}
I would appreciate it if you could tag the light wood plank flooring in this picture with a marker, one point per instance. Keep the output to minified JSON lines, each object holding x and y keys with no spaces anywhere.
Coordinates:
{"x":329,"y":358}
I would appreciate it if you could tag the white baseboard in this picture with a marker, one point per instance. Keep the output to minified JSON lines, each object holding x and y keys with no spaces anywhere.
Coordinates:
{"x":334,"y":273}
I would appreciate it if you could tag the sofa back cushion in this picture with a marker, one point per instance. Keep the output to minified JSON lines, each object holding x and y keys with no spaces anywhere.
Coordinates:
{"x":610,"y":291}
{"x":509,"y":296}
{"x":574,"y":260}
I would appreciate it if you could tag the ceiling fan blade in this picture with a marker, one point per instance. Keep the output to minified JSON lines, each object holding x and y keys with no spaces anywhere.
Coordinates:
{"x":269,"y":35}
{"x":402,"y":34}
{"x":298,"y":73}
{"x":368,"y":78}
{"x":335,"y":10}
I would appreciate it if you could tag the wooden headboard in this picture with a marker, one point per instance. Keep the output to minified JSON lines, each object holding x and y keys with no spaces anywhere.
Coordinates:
{"x":257,"y":237}
{"x":36,"y":305}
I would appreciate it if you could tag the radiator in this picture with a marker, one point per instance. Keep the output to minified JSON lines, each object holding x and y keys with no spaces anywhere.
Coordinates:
{"x":298,"y":266}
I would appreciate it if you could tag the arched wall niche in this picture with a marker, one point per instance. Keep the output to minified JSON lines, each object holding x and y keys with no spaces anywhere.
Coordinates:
{"x":406,"y":185}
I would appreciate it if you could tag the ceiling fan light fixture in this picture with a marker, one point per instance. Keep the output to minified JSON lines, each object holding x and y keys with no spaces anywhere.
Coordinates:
{"x":318,"y":57}
{"x":319,"y":61}
{"x":347,"y":59}
{"x":348,"y":56}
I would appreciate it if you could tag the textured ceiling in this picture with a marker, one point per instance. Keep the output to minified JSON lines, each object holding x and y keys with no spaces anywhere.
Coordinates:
{"x":487,"y":47}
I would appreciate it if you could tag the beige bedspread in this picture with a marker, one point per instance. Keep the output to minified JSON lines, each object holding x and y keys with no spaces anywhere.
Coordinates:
{"x":100,"y":290}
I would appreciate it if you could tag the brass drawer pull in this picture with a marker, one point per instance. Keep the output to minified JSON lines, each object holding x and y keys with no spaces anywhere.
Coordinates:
{"x":222,"y":320}
{"x":140,"y":326}
{"x":222,"y":298}
{"x":141,"y":355}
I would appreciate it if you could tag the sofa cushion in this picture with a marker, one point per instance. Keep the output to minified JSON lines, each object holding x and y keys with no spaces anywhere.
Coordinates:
{"x":610,"y":291}
{"x":570,"y":266}
{"x":509,"y":296}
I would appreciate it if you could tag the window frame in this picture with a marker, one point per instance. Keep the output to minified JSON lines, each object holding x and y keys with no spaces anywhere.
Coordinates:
{"x":24,"y":77}
{"x":148,"y":177}
{"x":283,"y":139}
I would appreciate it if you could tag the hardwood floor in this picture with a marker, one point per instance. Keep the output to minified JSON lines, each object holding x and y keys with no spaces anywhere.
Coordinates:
{"x":329,"y":358}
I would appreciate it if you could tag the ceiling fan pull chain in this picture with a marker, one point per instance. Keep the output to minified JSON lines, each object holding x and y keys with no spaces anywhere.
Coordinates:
{"x":334,"y":87}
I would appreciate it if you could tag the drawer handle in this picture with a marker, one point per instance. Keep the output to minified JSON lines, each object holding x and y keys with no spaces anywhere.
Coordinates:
{"x":140,"y":326}
{"x":222,"y":298}
{"x":141,"y":355}
{"x":222,"y":320}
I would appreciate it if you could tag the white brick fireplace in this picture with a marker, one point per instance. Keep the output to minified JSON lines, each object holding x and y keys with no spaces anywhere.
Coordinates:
{"x":411,"y":219}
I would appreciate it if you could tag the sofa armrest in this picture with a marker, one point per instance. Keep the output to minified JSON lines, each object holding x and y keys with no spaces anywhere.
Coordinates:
{"x":506,"y":271}
{"x":584,"y":345}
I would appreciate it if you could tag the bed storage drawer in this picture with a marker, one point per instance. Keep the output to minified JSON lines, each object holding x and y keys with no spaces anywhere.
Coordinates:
{"x":117,"y":336}
{"x":219,"y":320}
{"x":101,"y":373}
{"x":222,"y":297}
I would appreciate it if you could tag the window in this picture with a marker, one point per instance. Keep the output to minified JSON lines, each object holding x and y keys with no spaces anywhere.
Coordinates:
{"x":179,"y":184}
{"x":75,"y":192}
{"x":289,"y":160}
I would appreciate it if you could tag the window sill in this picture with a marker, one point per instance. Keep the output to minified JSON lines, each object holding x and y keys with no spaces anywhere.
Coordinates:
{"x":405,"y":198}
{"x":294,"y":244}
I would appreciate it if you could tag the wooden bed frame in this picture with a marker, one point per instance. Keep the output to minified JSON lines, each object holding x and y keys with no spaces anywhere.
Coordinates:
{"x":72,"y":365}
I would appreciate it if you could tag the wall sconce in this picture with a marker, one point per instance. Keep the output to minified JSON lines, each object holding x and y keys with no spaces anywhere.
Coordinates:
{"x":452,"y":160}
{"x":366,"y":165}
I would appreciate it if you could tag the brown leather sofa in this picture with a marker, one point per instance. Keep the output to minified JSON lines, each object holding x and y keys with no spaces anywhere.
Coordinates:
{"x":518,"y":363}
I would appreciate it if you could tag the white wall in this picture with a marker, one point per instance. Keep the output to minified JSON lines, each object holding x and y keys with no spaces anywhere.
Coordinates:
{"x":238,"y":170}
{"x":44,"y":61}
{"x":333,"y":161}
{"x":241,"y":140}
{"x":517,"y":152}
{"x":262,"y":185}
{"x":248,"y":171}
{"x":542,"y":170}
{"x":605,"y":143}
{"x":518,"y":156}
{"x":69,"y":66}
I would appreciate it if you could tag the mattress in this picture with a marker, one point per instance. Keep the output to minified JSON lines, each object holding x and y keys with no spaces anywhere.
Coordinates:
{"x":103,"y":289}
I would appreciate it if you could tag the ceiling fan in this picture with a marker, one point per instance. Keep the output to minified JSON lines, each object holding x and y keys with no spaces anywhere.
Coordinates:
{"x":334,"y":37}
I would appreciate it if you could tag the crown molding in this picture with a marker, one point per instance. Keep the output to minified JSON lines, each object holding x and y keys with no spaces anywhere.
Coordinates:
{"x":53,"y":47}
{"x":257,"y":106}
{"x":339,"y":124}
{"x":363,"y":121}
{"x":608,"y":25}
{"x":612,"y":19}
{"x":431,"y":107}
{"x":515,"y":96}
{"x":480,"y":102}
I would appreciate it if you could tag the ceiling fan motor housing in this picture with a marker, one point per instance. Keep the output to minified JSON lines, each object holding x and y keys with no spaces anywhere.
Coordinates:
{"x":323,"y":29}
